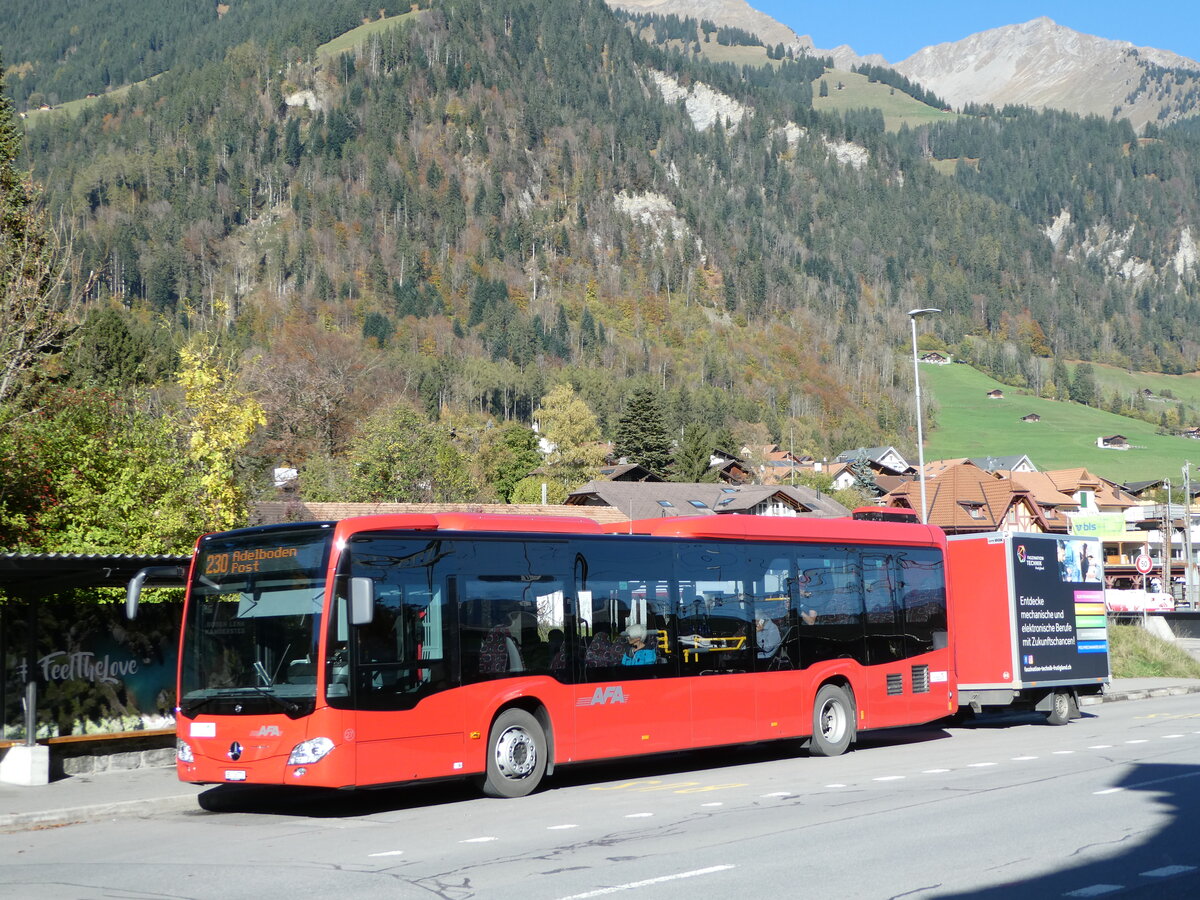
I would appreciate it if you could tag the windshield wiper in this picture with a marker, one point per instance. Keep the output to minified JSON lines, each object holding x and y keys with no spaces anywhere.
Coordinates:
{"x":286,"y":705}
{"x":191,"y":707}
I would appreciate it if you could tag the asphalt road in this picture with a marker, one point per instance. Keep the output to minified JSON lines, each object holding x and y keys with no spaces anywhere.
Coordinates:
{"x":1106,"y":806}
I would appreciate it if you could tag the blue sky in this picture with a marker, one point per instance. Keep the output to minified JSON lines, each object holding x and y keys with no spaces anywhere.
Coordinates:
{"x":899,"y":29}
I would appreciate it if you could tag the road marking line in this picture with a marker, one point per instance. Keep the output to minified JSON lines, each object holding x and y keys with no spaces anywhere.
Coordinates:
{"x":889,"y":778}
{"x":1023,"y":758}
{"x":1139,"y":741}
{"x":560,"y":827}
{"x":633,"y":885}
{"x":934,"y":771}
{"x":1167,"y":737}
{"x":639,"y":815}
{"x":479,"y":840}
{"x":1063,"y":752}
{"x":712,"y":804}
{"x":980,"y":765}
{"x":386,"y":853}
{"x":1100,"y":747}
{"x":777,"y":794}
{"x":1168,"y":871}
{"x":1115,"y":790}
{"x":1095,"y":890}
{"x":835,"y":784}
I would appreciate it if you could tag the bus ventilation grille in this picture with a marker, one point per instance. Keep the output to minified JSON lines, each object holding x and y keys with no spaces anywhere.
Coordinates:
{"x":895,"y":683}
{"x":920,"y":679}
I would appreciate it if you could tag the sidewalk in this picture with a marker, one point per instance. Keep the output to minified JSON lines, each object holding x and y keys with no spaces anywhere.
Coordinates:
{"x":144,"y":792}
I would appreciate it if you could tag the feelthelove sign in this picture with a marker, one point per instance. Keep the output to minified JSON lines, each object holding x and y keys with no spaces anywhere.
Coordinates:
{"x":82,"y":665}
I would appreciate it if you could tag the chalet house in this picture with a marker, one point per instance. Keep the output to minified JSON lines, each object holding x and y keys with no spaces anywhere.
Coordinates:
{"x":935,"y":359}
{"x":1090,"y":493}
{"x":653,"y":500}
{"x":1193,"y":432}
{"x":1032,"y":417}
{"x":964,"y":499}
{"x":731,"y":469}
{"x":628,"y":472}
{"x":1113,"y":442}
{"x":1019,"y":463}
{"x":775,"y":465}
{"x":995,"y":394}
{"x":885,"y":461}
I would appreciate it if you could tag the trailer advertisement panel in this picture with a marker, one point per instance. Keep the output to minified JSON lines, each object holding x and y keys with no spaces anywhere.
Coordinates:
{"x":1061,"y":624}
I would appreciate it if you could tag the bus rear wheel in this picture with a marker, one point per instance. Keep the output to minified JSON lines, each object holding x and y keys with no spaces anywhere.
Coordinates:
{"x":1060,"y":708}
{"x":833,"y":721}
{"x":516,"y":755}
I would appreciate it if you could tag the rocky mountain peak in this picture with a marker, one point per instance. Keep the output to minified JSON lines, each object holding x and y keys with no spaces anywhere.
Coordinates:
{"x":1043,"y":64}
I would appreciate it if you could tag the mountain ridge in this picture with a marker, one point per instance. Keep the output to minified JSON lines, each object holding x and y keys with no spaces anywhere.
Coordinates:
{"x":1045,"y":65}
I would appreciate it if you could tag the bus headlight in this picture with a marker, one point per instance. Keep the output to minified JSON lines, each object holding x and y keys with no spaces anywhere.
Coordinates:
{"x":183,"y":752}
{"x":311,"y":751}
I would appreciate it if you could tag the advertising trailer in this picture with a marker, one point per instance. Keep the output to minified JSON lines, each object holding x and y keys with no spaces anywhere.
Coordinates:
{"x":1028,"y":621}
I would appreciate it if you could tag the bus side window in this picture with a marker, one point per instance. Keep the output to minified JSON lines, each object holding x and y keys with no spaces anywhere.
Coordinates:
{"x":923,"y":590}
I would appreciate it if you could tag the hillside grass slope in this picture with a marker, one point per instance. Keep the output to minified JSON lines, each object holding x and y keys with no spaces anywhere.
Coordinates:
{"x":969,"y":424}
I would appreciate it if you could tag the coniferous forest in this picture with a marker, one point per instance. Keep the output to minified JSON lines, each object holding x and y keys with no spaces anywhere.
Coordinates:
{"x":390,"y":262}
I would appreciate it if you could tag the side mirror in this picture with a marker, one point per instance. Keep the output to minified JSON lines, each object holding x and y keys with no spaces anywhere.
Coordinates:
{"x":133,"y":592}
{"x":362,"y":601}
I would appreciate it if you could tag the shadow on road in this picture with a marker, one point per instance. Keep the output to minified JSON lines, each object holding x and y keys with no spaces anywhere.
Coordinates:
{"x":329,"y":803}
{"x":1163,"y":864}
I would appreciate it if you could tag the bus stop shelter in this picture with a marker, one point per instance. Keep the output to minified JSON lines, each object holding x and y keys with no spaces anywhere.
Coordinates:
{"x":27,"y":580}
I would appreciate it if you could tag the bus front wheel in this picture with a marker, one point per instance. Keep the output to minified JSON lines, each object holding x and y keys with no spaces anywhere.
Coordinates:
{"x":833,"y":721}
{"x":516,"y":755}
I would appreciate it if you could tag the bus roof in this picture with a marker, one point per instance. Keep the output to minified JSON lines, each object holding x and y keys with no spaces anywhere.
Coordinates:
{"x":785,"y":528}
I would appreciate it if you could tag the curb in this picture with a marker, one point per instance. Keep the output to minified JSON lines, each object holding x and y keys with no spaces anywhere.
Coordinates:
{"x":48,"y":818}
{"x":1141,"y":694}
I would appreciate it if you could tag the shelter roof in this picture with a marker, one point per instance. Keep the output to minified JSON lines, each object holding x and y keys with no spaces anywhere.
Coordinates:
{"x":40,"y":574}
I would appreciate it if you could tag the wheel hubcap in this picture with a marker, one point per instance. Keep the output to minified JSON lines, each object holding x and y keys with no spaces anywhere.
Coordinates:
{"x":832,"y":722}
{"x":516,"y":754}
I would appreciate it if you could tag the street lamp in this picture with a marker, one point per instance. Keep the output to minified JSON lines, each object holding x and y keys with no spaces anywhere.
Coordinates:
{"x":912,"y":317}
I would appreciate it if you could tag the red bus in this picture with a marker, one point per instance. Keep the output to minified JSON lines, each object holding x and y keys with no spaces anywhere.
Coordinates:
{"x":386,"y":649}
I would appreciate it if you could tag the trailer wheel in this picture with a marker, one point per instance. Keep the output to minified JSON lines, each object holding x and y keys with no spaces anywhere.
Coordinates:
{"x":516,"y":755}
{"x":1060,"y":709}
{"x":833,"y":721}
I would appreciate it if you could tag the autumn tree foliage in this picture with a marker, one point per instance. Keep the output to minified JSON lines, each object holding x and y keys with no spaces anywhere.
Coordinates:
{"x":36,"y":306}
{"x":219,"y":420}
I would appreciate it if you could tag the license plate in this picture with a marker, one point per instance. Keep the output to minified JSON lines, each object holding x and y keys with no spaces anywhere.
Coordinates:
{"x":235,"y":775}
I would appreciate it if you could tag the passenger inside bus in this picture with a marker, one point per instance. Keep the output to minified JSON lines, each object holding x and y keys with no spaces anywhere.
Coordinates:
{"x":768,"y":637}
{"x":637,"y":653}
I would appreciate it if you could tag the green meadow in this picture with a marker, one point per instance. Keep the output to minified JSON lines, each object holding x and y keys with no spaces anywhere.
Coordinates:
{"x":858,"y":93}
{"x":967,"y":423}
{"x":355,"y":36}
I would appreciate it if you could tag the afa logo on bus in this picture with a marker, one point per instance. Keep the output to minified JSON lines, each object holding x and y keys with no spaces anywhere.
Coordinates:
{"x":614,"y":694}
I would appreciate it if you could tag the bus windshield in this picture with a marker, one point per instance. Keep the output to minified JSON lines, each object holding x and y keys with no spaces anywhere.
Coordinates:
{"x":253,"y":622}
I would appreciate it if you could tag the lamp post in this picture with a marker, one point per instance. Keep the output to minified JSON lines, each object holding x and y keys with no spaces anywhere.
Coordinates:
{"x":912,"y":317}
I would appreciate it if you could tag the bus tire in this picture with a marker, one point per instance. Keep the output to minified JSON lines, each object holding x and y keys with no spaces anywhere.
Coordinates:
{"x":516,"y":758}
{"x":1060,"y":708}
{"x":833,"y":721}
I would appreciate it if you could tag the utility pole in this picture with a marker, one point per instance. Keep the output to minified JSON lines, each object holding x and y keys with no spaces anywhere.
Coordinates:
{"x":1168,"y":532}
{"x":1189,"y":567}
